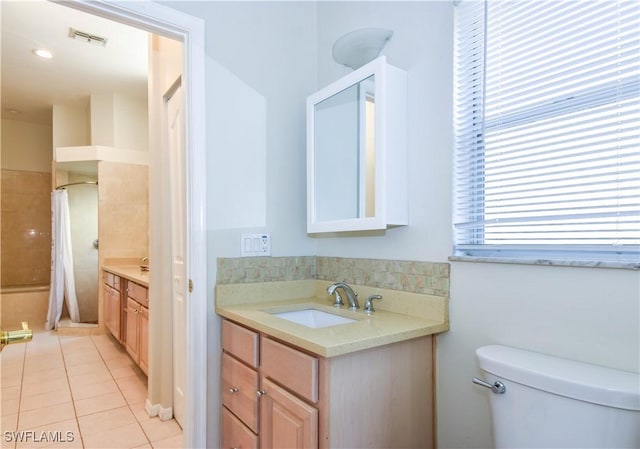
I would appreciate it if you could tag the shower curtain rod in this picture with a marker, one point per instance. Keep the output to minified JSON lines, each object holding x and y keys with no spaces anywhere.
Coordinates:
{"x":76,"y":184}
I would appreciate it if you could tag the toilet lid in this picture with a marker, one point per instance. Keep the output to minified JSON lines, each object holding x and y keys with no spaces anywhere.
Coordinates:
{"x":578,"y":380}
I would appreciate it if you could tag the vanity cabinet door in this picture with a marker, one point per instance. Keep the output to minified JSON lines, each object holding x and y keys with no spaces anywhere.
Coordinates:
{"x":285,"y":420}
{"x":235,"y":434}
{"x":131,"y":340}
{"x":112,"y":305}
{"x":143,"y":337}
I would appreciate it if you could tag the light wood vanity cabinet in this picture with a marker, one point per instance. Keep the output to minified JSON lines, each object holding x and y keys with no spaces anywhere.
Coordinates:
{"x":137,"y":325}
{"x":374,"y":398}
{"x":113,"y":304}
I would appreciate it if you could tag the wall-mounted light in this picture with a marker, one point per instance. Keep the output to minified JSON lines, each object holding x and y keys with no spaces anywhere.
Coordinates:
{"x":359,"y":47}
{"x":43,"y":53}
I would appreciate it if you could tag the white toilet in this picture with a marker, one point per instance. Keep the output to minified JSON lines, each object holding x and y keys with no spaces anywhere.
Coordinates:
{"x":549,"y":402}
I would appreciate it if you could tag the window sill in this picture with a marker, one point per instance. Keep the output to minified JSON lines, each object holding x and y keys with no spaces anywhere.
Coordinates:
{"x":547,"y":262}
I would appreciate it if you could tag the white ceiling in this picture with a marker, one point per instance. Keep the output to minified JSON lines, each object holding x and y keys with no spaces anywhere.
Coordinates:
{"x":31,"y":85}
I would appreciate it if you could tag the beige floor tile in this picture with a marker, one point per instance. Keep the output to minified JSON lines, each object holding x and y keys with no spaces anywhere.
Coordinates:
{"x":136,"y":381}
{"x":100,"y":377}
{"x":10,"y":406}
{"x":63,"y":434}
{"x":43,"y":416}
{"x":45,"y":364}
{"x":140,"y":411}
{"x":80,"y":342}
{"x":118,"y":372}
{"x":157,"y":430}
{"x":134,"y":395}
{"x":45,"y":400}
{"x":82,"y":359}
{"x":43,"y":376}
{"x":34,"y":389}
{"x":13,"y":351}
{"x":91,"y":390}
{"x":11,"y":381}
{"x":119,"y":360}
{"x":99,"y":403}
{"x":11,"y":370}
{"x":125,"y":437}
{"x":175,"y":442}
{"x":144,"y":446}
{"x":109,"y":353}
{"x":90,"y":378}
{"x":8,"y":423}
{"x":107,"y":420}
{"x":12,"y":392}
{"x":86,"y":368}
{"x":7,"y":444}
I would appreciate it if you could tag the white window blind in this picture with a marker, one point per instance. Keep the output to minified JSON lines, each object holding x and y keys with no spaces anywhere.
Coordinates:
{"x":547,"y":122}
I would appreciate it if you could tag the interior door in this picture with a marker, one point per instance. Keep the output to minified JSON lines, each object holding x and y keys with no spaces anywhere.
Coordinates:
{"x":174,"y":107}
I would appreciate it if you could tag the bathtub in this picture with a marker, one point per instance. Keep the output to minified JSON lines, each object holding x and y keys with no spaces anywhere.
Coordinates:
{"x":24,"y":303}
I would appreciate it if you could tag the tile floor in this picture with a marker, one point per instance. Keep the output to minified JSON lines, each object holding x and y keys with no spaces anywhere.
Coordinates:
{"x":77,"y":392}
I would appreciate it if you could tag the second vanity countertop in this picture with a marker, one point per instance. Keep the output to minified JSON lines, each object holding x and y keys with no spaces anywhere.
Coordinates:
{"x":423,"y":315}
{"x":130,"y":272}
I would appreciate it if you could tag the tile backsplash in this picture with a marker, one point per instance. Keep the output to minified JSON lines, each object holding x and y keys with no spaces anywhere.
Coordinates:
{"x":411,"y":276}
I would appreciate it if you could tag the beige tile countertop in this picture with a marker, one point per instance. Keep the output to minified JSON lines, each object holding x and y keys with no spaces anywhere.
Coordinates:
{"x":399,"y":315}
{"x":130,"y":272}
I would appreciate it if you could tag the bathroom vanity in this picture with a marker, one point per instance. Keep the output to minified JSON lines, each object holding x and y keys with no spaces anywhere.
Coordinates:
{"x":126,"y":310}
{"x":366,"y":384}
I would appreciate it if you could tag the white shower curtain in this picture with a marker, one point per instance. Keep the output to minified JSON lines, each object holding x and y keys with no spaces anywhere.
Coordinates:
{"x":62,"y":280}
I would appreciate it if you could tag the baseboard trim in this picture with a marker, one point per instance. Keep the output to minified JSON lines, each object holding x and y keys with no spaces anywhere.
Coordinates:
{"x":164,"y":413}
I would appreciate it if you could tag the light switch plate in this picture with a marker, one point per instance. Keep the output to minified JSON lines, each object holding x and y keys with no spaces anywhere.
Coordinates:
{"x":255,"y":245}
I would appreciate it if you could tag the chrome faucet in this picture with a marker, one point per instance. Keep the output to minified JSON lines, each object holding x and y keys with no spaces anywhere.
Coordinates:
{"x":352,"y":296}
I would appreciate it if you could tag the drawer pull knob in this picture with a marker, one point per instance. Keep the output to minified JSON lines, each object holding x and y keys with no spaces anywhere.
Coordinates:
{"x":260,"y":393}
{"x":233,"y":390}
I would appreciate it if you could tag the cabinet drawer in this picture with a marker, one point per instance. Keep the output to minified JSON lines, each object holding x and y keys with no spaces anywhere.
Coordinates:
{"x":112,"y":280}
{"x":239,"y":387}
{"x":241,"y":342}
{"x":295,"y":370}
{"x":138,"y":292}
{"x":236,"y":434}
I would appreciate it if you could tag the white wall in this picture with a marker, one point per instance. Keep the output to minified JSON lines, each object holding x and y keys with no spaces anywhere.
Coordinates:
{"x":591,"y":315}
{"x":71,"y":125}
{"x":263,"y":59}
{"x":422,"y":46}
{"x":260,"y":66}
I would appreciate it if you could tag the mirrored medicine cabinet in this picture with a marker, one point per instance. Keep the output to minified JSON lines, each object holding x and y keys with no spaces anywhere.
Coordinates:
{"x":357,"y":152}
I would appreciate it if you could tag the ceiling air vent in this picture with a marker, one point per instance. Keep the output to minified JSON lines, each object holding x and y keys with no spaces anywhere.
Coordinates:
{"x":87,"y":37}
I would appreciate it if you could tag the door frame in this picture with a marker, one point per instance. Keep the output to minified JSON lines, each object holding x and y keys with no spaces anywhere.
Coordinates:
{"x":168,"y":22}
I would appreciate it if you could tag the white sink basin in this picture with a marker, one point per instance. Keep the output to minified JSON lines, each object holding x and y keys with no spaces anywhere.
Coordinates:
{"x":313,"y":318}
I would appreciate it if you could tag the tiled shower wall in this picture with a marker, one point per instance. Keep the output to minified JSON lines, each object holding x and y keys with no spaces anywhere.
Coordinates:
{"x":25,"y":211}
{"x":411,"y":276}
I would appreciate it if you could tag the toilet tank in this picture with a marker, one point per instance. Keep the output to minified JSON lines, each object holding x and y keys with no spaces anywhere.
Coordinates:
{"x":552,"y":402}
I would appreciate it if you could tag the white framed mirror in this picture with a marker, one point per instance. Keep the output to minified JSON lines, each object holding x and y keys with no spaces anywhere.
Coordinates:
{"x":356,"y":151}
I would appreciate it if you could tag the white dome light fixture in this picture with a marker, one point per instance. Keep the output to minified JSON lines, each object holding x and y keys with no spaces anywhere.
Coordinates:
{"x":359,"y":47}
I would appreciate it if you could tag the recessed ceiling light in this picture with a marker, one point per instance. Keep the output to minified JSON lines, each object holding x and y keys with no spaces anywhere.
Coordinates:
{"x":46,"y":54}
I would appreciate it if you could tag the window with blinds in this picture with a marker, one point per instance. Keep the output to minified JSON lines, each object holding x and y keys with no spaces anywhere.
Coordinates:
{"x":547,"y":122}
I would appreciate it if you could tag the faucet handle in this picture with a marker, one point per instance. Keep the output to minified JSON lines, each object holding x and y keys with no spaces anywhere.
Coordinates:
{"x":338,"y":299}
{"x":368,"y":304}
